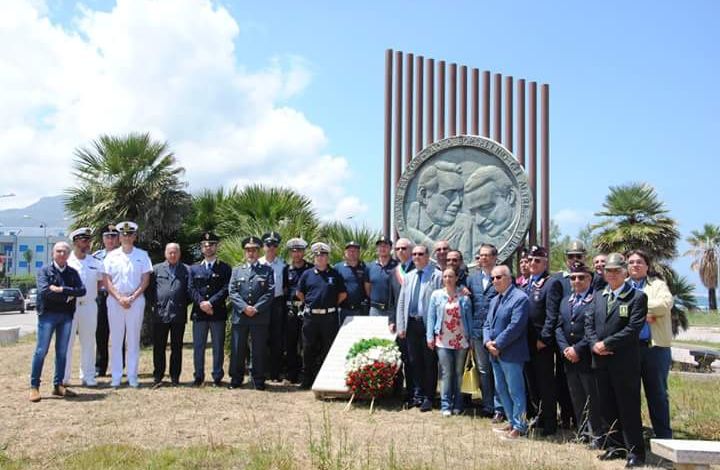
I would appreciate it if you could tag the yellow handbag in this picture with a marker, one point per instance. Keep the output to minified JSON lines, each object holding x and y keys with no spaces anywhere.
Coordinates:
{"x":471,"y":376}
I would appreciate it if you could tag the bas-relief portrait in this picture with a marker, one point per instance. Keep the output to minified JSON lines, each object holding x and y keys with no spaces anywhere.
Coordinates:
{"x":467,"y":190}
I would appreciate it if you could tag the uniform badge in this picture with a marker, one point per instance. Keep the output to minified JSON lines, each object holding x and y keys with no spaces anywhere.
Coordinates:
{"x":624,"y":311}
{"x":330,"y":280}
{"x":242,"y":279}
{"x":536,"y":296}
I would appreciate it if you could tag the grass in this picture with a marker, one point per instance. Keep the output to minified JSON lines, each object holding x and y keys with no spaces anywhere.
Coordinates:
{"x":704,"y":318}
{"x":282,"y":428}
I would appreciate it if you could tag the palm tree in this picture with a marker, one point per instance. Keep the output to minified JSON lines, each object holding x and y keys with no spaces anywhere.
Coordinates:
{"x":28,"y":257}
{"x":636,"y":219}
{"x":684,"y":299}
{"x":337,"y":234}
{"x":705,"y":252}
{"x":129,"y":177}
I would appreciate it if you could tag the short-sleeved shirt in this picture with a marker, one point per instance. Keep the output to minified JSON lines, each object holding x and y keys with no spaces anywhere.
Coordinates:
{"x":379,"y":277}
{"x":321,"y":288}
{"x":354,"y":278}
{"x":91,"y":271}
{"x":291,"y":275}
{"x":278,"y":265}
{"x":126,"y":269}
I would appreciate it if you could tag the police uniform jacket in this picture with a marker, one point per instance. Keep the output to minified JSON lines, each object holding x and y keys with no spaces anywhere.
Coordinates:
{"x":291,"y":277}
{"x":211,"y":286}
{"x":570,"y":330}
{"x":558,"y":289}
{"x":481,"y":297}
{"x":254,"y":285}
{"x":618,"y":326}
{"x":58,"y":302}
{"x":542,"y":325}
{"x":168,"y":293}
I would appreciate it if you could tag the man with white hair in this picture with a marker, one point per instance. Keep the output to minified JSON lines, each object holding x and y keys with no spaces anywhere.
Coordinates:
{"x":127,"y":276}
{"x":84,"y":323}
{"x":58,"y":286}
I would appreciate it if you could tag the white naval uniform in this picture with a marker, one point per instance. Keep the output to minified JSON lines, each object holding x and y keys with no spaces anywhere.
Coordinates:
{"x":125,"y":271}
{"x":84,"y":322}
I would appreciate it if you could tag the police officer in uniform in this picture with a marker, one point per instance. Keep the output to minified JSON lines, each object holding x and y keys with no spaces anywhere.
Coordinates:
{"x":276,"y":332}
{"x":92,"y":274}
{"x":110,"y":241}
{"x":294,"y":306}
{"x":127,"y":276}
{"x":573,"y":346}
{"x":540,"y":371}
{"x":208,"y":286}
{"x":252,"y":288}
{"x":322,"y":289}
{"x":613,"y":331}
{"x":378,"y":280}
{"x":352,"y":270}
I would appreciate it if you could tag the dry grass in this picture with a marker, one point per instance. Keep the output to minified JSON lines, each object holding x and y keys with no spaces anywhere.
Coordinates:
{"x":219,"y":428}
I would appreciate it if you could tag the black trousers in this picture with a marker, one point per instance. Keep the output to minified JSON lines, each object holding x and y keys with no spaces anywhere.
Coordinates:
{"x":258,"y":335}
{"x":318,"y":333}
{"x":582,"y":389}
{"x":540,"y":377}
{"x":293,"y":344}
{"x":567,"y":407}
{"x":423,"y":361}
{"x":619,"y":396}
{"x":276,"y":336}
{"x":160,"y":339}
{"x":404,"y":378}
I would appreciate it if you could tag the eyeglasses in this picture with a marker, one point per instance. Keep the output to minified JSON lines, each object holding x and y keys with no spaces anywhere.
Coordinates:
{"x":577,"y":277}
{"x":498,"y":277}
{"x":400,"y":248}
{"x":613,"y":270}
{"x":418,"y":254}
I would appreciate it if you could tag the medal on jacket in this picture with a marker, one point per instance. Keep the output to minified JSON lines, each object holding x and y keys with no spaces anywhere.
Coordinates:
{"x":623,"y":310}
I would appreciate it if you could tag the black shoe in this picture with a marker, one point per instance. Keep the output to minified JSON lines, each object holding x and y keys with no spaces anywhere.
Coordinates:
{"x":486,"y":414}
{"x":293,"y":379}
{"x":100,"y":373}
{"x":612,"y":453}
{"x":175,"y":382}
{"x":259,"y":386}
{"x":234,"y":385}
{"x":198,"y":382}
{"x":217,"y":383}
{"x":156,"y":384}
{"x":634,"y":461}
{"x":305,"y":386}
{"x":426,"y":405}
{"x":499,"y":418}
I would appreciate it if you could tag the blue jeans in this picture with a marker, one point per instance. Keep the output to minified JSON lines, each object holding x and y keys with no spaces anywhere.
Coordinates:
{"x":510,"y":386}
{"x":655,"y":365}
{"x":61,"y":325}
{"x":490,"y":399}
{"x":452,"y":366}
{"x":217,"y":333}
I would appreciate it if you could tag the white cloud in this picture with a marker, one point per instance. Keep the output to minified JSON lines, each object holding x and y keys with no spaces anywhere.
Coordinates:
{"x":169,"y":67}
{"x":571,"y":221}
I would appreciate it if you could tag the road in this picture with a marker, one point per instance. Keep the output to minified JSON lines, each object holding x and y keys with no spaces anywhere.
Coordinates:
{"x":26,"y":321}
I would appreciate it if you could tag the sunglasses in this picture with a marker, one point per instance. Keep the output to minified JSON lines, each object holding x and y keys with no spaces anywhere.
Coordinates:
{"x":577,"y":277}
{"x":498,"y":277}
{"x":400,"y":248}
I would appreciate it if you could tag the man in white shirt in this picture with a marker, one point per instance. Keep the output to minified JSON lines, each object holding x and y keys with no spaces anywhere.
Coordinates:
{"x":127,"y":276}
{"x":84,"y":323}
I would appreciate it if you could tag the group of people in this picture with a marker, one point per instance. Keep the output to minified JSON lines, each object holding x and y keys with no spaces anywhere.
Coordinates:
{"x":579,"y":342}
{"x":566,"y":349}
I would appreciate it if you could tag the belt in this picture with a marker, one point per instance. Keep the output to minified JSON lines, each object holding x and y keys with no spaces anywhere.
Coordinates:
{"x":294,"y":303}
{"x":378,"y":305}
{"x":415,"y":318}
{"x":645,"y":343}
{"x":322,"y":311}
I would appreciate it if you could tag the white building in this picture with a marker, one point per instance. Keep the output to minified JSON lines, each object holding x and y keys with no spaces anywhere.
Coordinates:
{"x":18,"y":244}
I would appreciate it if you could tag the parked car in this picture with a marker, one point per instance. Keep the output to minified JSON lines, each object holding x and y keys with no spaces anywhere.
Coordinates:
{"x":31,"y":299}
{"x":11,"y":300}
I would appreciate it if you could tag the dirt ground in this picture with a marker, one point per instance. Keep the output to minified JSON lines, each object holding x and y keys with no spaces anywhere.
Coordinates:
{"x":282,"y":415}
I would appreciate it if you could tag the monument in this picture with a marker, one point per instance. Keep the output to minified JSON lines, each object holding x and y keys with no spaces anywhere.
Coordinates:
{"x":467,"y":190}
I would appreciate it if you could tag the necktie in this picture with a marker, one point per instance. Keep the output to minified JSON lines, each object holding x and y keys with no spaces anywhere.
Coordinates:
{"x":610,"y":302}
{"x":413,"y":310}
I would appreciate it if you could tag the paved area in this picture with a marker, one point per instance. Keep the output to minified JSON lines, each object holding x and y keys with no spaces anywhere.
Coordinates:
{"x":26,"y":321}
{"x":700,"y":333}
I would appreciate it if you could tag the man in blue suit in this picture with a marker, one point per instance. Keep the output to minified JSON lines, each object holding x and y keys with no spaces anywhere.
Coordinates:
{"x":505,"y":337}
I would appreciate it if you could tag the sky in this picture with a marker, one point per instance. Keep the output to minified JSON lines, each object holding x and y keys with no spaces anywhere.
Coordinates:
{"x":291,"y":93}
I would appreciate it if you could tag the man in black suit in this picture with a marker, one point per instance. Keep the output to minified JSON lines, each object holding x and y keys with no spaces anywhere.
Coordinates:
{"x":169,"y":298}
{"x":613,"y":331}
{"x":576,"y":360}
{"x":209,"y":281}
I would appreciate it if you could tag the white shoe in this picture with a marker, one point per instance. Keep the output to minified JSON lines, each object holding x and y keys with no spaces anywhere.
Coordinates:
{"x":446,"y":413}
{"x":90,"y":383}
